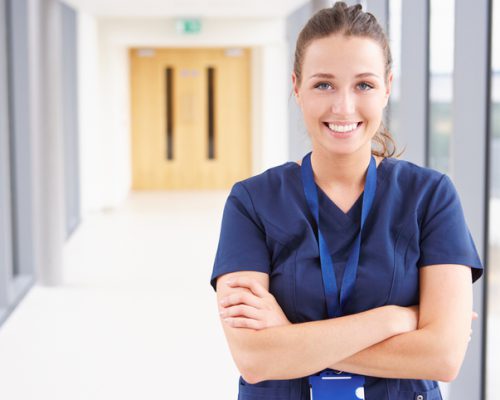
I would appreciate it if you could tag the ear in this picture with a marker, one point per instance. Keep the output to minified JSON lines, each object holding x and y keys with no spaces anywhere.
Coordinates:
{"x":388,"y":89}
{"x":295,"y":88}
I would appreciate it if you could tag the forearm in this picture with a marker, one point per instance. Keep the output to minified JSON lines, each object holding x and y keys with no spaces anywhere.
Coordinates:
{"x":298,"y":350}
{"x":413,"y":355}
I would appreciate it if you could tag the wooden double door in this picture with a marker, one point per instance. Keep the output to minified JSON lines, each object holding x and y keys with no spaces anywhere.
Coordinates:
{"x":190,"y":118}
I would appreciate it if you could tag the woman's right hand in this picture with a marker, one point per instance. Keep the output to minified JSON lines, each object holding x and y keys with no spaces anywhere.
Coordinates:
{"x":252,"y":306}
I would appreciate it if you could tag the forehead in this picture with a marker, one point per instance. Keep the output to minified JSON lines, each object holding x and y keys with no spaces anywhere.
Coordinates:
{"x":339,"y":54}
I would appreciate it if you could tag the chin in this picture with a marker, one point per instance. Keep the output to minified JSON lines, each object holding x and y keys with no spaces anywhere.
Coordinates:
{"x":343,"y":149}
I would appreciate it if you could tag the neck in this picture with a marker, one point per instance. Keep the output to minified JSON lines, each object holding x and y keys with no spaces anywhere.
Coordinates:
{"x":347,"y":170}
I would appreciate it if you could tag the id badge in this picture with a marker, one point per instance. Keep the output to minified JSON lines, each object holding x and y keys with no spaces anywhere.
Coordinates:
{"x":336,"y":385}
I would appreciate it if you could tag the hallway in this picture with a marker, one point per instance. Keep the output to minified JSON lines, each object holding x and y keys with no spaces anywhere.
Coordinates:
{"x":104,"y":276}
{"x":136,"y":290}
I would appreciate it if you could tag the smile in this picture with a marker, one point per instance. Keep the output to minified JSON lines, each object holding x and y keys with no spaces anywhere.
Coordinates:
{"x":342,"y":131}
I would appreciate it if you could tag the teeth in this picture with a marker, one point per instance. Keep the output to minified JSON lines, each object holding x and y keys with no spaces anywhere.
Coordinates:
{"x":342,"y":128}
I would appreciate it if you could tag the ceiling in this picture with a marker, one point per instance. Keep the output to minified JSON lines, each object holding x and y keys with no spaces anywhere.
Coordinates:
{"x":187,"y":8}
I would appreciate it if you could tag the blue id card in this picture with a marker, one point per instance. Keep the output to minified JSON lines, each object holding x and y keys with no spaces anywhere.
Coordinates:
{"x":333,"y":385}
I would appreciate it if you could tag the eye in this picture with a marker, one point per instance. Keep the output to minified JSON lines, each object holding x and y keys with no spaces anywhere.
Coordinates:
{"x":322,"y":85}
{"x":365,"y":86}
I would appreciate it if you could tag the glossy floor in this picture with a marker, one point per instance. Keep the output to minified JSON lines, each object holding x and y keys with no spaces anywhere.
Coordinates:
{"x":136,"y":317}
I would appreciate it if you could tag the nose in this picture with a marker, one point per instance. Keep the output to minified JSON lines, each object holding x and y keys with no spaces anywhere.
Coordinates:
{"x":343,"y":103}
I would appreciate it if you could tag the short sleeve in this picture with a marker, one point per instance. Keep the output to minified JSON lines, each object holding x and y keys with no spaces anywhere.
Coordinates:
{"x":445,"y":237}
{"x":242,"y":244}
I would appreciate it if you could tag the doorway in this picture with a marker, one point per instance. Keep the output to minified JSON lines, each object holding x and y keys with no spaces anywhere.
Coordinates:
{"x":190,"y":118}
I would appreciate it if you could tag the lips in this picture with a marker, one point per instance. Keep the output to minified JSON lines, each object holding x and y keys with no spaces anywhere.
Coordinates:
{"x":342,"y":134}
{"x":342,"y":127}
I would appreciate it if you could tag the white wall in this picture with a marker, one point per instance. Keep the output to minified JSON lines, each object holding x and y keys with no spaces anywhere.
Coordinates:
{"x":89,"y":104}
{"x":104,"y":93}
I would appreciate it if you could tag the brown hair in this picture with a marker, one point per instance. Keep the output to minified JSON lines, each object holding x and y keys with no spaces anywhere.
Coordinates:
{"x":348,"y":21}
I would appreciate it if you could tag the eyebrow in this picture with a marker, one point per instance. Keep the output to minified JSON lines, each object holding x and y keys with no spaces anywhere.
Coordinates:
{"x":330,"y":76}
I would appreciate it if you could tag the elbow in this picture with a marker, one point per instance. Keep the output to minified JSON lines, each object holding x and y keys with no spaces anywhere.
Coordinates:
{"x":249,"y":353}
{"x":447,"y":375}
{"x":252,"y":355}
{"x":249,"y":370}
{"x":450,"y":366}
{"x":445,"y":356}
{"x":249,"y":378}
{"x":249,"y":364}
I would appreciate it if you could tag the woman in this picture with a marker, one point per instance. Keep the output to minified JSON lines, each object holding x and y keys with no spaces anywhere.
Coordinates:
{"x":351,"y":264}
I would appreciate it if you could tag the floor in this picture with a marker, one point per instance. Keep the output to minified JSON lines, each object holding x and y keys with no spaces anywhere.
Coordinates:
{"x":135,"y":318}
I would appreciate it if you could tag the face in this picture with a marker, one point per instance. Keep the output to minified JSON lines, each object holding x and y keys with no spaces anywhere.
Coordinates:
{"x":342,"y":93}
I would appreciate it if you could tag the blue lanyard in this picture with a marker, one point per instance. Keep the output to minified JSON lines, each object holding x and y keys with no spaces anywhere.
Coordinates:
{"x":327,"y":270}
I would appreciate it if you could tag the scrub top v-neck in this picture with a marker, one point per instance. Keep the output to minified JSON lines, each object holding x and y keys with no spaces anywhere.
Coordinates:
{"x":416,"y":220}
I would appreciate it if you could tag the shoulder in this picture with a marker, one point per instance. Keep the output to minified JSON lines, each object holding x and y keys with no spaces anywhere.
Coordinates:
{"x":273,"y":195}
{"x":413,"y":177}
{"x":419,"y":188}
{"x":269,"y":181}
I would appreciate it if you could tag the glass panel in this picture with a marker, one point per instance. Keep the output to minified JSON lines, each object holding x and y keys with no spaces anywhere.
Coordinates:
{"x":12,"y":137}
{"x":169,"y":114}
{"x":211,"y":115}
{"x":493,"y":262}
{"x":5,"y":266}
{"x":69,"y":65}
{"x":442,"y":25}
{"x":395,"y":44}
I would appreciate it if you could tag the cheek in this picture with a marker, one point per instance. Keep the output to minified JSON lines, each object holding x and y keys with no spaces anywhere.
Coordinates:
{"x":371,"y":108}
{"x":312,"y":107}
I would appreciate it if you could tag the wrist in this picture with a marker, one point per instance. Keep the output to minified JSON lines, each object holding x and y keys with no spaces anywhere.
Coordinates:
{"x":396,"y":317}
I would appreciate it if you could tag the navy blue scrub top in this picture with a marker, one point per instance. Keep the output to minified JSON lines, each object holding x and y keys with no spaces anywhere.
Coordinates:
{"x":416,"y":220}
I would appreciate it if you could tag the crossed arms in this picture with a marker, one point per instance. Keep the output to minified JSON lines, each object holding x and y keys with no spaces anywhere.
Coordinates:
{"x":428,"y":342}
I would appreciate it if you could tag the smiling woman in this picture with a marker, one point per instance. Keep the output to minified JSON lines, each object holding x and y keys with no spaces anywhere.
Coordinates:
{"x":350,"y":102}
{"x":350,"y":273}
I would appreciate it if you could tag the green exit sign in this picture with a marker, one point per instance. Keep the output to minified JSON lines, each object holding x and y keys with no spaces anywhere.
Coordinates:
{"x":192,"y":25}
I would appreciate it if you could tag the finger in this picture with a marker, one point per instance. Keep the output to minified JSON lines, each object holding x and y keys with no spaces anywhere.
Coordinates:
{"x":242,"y":310}
{"x":248,"y":283}
{"x":475,"y":315}
{"x":241,"y":298}
{"x":243,"y":323}
{"x":251,"y":284}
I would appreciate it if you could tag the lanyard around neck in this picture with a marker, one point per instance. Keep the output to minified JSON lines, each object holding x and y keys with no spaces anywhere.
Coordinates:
{"x":336,"y":300}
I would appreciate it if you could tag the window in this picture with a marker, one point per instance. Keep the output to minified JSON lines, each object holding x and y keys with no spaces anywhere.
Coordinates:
{"x":6,"y":265}
{"x":493,"y":300}
{"x":70,"y":117}
{"x":441,"y":84}
{"x":395,"y":44}
{"x":16,"y":226}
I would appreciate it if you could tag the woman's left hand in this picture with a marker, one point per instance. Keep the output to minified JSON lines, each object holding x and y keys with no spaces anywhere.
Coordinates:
{"x":254,"y":308}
